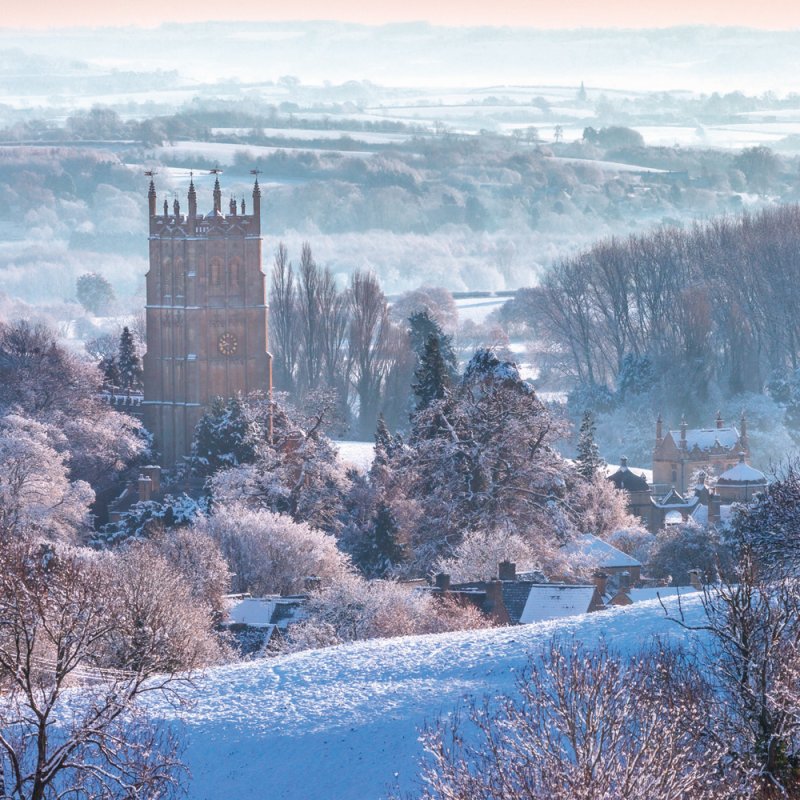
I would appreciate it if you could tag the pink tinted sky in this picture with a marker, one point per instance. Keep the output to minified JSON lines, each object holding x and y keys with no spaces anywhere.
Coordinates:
{"x":775,"y":14}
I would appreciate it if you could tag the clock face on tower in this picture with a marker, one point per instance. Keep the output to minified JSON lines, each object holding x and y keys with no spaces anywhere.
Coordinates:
{"x":227,"y":344}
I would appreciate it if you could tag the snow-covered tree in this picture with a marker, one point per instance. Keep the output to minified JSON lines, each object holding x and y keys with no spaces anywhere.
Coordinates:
{"x":36,"y":495}
{"x":352,"y":608}
{"x":588,"y":461}
{"x":680,"y":548}
{"x":297,"y":473}
{"x":751,"y":630}
{"x":380,"y":550}
{"x":41,"y":380}
{"x":482,"y":459}
{"x":64,"y":618}
{"x":129,"y":366}
{"x":225,"y":436}
{"x":770,"y":524}
{"x":478,"y":554}
{"x":149,"y":517}
{"x":200,"y":561}
{"x":422,"y":326}
{"x":431,"y":378}
{"x":571,"y":727}
{"x":270,"y":553}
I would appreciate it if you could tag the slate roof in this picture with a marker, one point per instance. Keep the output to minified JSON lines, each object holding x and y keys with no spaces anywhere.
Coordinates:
{"x":515,"y":595}
{"x":625,"y":478}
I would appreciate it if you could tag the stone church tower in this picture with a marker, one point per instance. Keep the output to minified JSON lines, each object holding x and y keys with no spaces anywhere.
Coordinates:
{"x":206,"y":315}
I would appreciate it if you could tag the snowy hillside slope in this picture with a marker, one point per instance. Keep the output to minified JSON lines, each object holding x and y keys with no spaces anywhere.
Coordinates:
{"x":342,"y":723}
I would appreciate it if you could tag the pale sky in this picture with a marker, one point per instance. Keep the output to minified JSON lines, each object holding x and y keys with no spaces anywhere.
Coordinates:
{"x":771,"y":14}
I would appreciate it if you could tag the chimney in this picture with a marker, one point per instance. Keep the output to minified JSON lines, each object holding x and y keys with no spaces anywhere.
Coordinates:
{"x":443,"y":582}
{"x":166,"y":208}
{"x":601,"y":582}
{"x":695,"y":578}
{"x":232,"y":207}
{"x":659,"y":429}
{"x":720,"y":421}
{"x":507,"y":571}
{"x":684,"y":427}
{"x":624,"y":581}
{"x":623,"y":463}
{"x":153,"y":472}
{"x":145,"y":487}
{"x":495,"y":606}
{"x":176,"y":208}
{"x":743,"y":430}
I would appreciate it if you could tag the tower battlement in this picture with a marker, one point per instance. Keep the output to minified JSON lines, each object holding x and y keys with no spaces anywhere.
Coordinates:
{"x":172,"y":222}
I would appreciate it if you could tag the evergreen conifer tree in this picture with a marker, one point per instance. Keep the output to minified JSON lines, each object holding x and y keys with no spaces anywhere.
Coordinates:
{"x":588,"y":462}
{"x":422,"y":327}
{"x":382,"y":549}
{"x":128,"y":364}
{"x":224,"y":437}
{"x":432,"y":375}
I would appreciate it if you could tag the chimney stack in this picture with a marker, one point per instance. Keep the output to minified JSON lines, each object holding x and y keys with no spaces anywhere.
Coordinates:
{"x":443,"y":582}
{"x":720,"y":421}
{"x":601,"y":582}
{"x":153,"y":472}
{"x":507,"y":571}
{"x":145,"y":486}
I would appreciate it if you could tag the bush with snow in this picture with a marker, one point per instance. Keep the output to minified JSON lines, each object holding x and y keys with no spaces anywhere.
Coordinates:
{"x":270,"y":553}
{"x":352,"y":608}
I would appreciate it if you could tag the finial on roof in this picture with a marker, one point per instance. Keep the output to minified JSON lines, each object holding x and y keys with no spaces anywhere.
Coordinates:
{"x":623,"y":462}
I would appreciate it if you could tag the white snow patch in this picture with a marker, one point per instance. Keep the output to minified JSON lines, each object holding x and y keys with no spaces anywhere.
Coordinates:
{"x":343,"y":722}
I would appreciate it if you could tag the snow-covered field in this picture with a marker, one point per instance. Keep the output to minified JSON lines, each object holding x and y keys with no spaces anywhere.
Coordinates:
{"x":342,"y":723}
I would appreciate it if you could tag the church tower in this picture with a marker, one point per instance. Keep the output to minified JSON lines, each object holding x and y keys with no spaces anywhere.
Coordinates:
{"x":206,"y":315}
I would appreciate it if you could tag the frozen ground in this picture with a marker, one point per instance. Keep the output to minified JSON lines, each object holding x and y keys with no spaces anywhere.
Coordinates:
{"x":342,"y":723}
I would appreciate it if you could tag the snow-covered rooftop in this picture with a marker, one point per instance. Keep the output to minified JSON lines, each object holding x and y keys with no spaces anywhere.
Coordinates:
{"x":254,"y":611}
{"x":742,"y":473}
{"x":708,"y":438}
{"x":601,"y":553}
{"x":554,"y":601}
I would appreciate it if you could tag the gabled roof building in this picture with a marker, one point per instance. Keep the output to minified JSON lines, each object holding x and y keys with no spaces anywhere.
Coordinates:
{"x":679,"y":454}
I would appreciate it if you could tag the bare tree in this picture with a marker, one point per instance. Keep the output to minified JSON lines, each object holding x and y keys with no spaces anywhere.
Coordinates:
{"x":283,"y":321}
{"x":310,"y":321}
{"x":58,"y":619}
{"x":587,"y":724}
{"x":369,"y":335}
{"x":752,"y":623}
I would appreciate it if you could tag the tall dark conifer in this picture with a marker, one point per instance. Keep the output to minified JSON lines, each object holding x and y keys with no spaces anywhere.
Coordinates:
{"x":128,"y":364}
{"x":432,"y":376}
{"x":588,"y":462}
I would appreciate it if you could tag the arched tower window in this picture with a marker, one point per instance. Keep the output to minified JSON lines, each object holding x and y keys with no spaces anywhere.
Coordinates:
{"x":166,"y":277}
{"x":216,"y":272}
{"x":236,"y":274}
{"x":179,"y":277}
